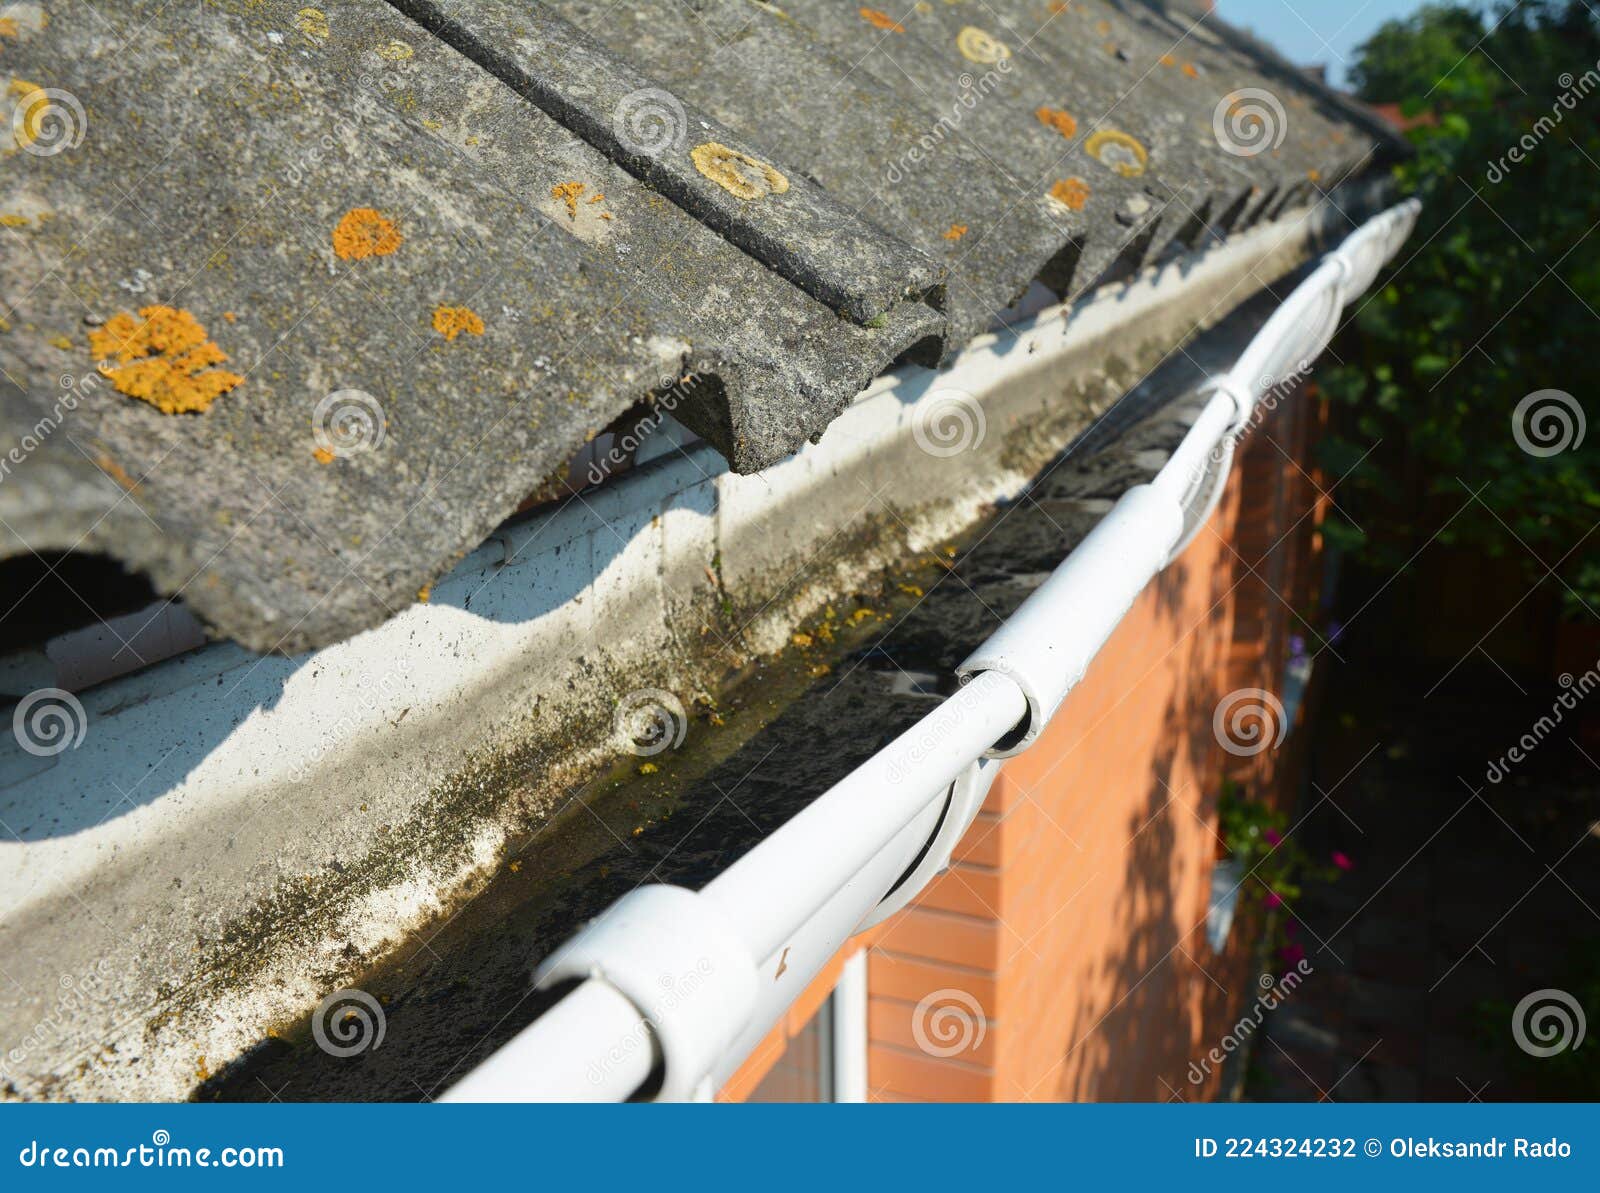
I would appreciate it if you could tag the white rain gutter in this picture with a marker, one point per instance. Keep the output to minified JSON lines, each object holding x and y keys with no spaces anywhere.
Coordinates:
{"x":675,"y":987}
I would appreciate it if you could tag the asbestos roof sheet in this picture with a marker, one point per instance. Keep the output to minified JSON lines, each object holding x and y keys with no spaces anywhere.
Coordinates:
{"x":297,"y":304}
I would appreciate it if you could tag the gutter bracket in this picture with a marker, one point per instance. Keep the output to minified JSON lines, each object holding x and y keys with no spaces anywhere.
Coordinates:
{"x":687,"y":974}
{"x":966,"y":798}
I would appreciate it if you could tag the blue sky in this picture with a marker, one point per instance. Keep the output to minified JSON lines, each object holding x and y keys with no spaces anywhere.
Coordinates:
{"x":1307,"y":31}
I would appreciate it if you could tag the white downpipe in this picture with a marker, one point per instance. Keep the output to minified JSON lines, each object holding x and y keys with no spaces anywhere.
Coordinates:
{"x":850,"y":1031}
{"x":688,"y":982}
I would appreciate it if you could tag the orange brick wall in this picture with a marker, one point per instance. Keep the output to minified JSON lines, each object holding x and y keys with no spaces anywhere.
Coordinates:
{"x":1066,"y":946}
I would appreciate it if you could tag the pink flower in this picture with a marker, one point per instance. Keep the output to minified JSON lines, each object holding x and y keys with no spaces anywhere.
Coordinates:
{"x":1343,"y":862}
{"x":1274,"y":899}
{"x":1292,"y":954}
{"x":1273,"y":836}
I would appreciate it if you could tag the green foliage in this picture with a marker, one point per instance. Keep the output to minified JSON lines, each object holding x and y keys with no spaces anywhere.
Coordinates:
{"x":1497,"y":295}
{"x":1258,"y":836}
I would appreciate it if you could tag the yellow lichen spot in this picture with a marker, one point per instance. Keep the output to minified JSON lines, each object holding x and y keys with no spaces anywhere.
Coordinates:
{"x":977,"y":46}
{"x":229,"y":317}
{"x":1117,"y":151}
{"x":452,"y":321}
{"x":911,"y":590}
{"x":8,"y":28}
{"x":819,"y":670}
{"x":881,"y":20}
{"x":568,"y":193}
{"x":28,"y":113}
{"x":364,"y":232}
{"x":801,"y":640}
{"x":312,"y":24}
{"x":396,"y":51}
{"x":1072,"y":193}
{"x":737,"y":173}
{"x":955,"y":231}
{"x":515,"y":867}
{"x":1314,"y":175}
{"x":1167,"y":60}
{"x":1063,"y":122}
{"x":1191,"y":70}
{"x":639,"y":831}
{"x":166,"y":360}
{"x":424,"y":593}
{"x":14,"y":221}
{"x":323,"y":456}
{"x":61,"y":342}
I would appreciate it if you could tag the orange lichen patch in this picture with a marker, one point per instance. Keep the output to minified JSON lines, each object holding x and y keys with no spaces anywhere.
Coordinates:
{"x":1191,"y":70}
{"x":1071,"y":192}
{"x":1057,"y":7}
{"x":568,"y":193}
{"x":977,"y":46}
{"x":1167,"y":60}
{"x":323,"y":456}
{"x":1063,"y":122}
{"x":881,"y":20}
{"x":166,"y":360}
{"x":229,"y":317}
{"x":452,"y":321}
{"x":8,"y":28}
{"x":1314,"y":175}
{"x":599,"y":198}
{"x":739,"y":174}
{"x":364,"y":232}
{"x":424,"y":593}
{"x":1118,"y":151}
{"x":955,"y":232}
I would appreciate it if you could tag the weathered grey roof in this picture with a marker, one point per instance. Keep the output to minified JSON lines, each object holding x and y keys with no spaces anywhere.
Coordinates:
{"x":795,"y":195}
